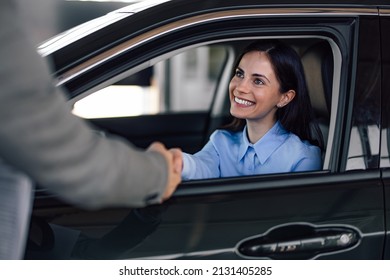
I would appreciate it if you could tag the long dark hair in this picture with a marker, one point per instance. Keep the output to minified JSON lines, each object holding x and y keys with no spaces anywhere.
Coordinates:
{"x":297,"y":116}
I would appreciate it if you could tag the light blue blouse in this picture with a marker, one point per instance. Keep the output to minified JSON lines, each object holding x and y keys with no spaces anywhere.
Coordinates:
{"x":229,"y":154}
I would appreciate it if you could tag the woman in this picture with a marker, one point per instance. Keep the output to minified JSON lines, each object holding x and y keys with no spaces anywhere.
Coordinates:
{"x":273,"y":119}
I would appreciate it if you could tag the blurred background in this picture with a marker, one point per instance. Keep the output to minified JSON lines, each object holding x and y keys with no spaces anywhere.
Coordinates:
{"x":183,"y":83}
{"x":46,"y":18}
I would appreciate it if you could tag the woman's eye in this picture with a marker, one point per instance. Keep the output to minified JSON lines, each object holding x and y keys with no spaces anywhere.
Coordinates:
{"x":239,"y":74}
{"x":258,"y":82}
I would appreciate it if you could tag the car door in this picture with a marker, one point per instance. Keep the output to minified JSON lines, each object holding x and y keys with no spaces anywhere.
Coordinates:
{"x":336,"y":213}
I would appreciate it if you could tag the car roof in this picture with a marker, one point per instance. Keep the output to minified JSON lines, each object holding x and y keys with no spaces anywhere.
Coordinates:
{"x":86,"y":39}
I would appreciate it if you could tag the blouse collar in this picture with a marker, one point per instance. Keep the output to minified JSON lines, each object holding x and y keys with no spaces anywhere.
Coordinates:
{"x":266,"y":145}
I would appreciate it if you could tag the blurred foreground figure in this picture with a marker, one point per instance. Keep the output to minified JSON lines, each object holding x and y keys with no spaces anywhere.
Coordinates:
{"x":40,"y":139}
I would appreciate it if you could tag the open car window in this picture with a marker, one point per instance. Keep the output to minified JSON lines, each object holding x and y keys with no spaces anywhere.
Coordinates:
{"x":196,"y":80}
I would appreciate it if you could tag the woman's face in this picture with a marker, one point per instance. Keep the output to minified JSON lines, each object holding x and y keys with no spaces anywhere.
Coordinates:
{"x":254,"y":89}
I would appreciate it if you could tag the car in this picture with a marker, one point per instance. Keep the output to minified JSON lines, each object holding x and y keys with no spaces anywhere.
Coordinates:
{"x":159,"y":70}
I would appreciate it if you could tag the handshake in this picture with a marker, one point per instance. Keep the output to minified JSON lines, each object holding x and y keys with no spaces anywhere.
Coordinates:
{"x":174,"y":158}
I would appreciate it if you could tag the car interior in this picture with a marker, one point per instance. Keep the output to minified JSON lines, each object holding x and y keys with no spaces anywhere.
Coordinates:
{"x":189,"y":128}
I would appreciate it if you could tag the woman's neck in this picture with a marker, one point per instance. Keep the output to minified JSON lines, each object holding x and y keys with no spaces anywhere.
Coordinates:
{"x":256,"y":130}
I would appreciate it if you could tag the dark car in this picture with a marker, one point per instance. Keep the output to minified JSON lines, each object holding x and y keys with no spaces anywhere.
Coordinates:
{"x":166,"y":67}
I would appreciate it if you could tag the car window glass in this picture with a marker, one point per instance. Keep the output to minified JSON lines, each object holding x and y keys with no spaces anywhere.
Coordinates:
{"x":183,"y":83}
{"x":385,"y":143}
{"x":364,"y":147}
{"x":364,"y":144}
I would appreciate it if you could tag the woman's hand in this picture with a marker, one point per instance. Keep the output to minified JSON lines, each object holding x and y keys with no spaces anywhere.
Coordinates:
{"x":174,"y":159}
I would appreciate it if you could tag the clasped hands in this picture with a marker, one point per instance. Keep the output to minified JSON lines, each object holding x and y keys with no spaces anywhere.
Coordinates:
{"x":174,"y":158}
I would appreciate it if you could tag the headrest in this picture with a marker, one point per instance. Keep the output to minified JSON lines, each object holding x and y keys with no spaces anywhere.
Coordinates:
{"x":317,"y":62}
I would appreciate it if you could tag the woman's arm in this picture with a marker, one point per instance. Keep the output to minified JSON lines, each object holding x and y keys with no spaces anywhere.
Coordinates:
{"x":202,"y":165}
{"x":311,"y":160}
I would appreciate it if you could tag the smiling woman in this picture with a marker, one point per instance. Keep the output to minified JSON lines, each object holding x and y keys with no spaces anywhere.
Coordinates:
{"x":255,"y":96}
{"x":272,"y":113}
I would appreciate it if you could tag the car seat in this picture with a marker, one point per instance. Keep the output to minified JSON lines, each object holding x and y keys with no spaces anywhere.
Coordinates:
{"x":318,"y":65}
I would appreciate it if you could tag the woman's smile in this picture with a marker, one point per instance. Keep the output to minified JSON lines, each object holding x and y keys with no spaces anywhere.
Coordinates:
{"x":243,"y":102}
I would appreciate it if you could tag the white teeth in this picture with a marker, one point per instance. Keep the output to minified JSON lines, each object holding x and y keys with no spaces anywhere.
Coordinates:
{"x":242,"y":101}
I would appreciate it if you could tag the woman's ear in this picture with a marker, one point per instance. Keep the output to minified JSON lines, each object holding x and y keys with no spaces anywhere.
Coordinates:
{"x":286,"y":98}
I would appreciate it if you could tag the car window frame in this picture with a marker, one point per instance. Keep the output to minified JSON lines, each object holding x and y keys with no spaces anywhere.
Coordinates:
{"x":343,"y":52}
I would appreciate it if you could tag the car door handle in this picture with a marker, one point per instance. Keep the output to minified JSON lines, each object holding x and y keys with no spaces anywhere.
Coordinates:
{"x":299,"y":241}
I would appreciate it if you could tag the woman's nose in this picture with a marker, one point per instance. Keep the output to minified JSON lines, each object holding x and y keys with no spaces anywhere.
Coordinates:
{"x":243,"y":86}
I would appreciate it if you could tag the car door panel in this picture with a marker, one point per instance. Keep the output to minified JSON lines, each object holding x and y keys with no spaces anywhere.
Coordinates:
{"x":192,"y":225}
{"x":227,"y":219}
{"x":220,"y":221}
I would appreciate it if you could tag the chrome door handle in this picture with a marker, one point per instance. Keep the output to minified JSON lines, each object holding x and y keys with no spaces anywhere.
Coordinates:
{"x":299,"y":241}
